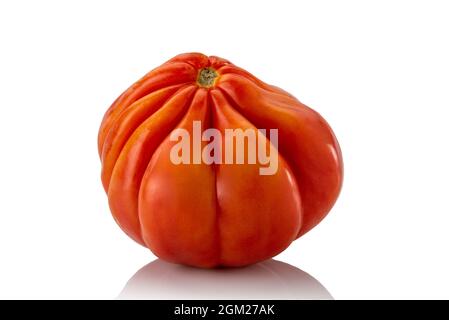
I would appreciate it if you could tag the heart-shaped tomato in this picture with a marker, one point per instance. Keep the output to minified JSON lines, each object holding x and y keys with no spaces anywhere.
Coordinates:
{"x":208,"y":166}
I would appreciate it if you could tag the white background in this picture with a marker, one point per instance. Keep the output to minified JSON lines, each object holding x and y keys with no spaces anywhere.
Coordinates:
{"x":378,"y":71}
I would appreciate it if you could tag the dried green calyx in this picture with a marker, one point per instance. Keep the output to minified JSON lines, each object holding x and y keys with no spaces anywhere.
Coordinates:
{"x":207,"y":77}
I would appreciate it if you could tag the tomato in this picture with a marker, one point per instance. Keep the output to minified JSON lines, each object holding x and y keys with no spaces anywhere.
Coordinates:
{"x":215,"y":213}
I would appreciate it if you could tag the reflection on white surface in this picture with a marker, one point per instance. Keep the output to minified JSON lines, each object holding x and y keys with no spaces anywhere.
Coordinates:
{"x":266,"y":280}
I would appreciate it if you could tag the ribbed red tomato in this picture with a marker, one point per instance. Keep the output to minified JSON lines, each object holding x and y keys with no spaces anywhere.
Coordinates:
{"x":215,"y":214}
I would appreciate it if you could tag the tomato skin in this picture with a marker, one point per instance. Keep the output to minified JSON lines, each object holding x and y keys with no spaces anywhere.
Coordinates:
{"x":210,"y":215}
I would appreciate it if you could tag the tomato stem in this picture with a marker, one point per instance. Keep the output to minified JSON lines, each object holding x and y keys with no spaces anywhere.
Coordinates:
{"x":206,"y":77}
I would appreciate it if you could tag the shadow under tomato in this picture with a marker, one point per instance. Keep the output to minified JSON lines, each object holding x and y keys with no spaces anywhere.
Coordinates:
{"x":270,"y":279}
